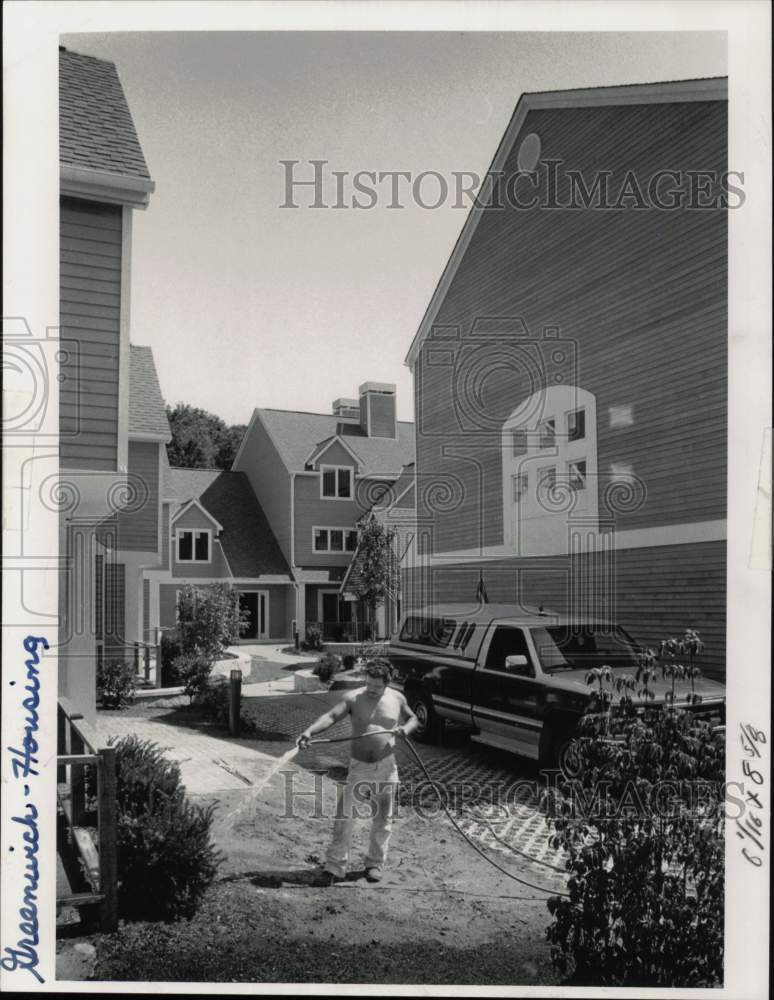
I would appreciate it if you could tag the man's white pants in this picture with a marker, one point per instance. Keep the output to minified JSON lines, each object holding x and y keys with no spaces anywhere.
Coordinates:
{"x":368,"y":792}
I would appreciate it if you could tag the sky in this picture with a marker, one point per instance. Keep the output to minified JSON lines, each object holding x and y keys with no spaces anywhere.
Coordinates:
{"x":246,"y":303}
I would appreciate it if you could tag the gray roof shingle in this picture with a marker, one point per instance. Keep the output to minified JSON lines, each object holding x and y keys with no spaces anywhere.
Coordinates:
{"x":296,"y":434}
{"x":96,"y":129}
{"x":147,"y":414}
{"x":247,"y":539}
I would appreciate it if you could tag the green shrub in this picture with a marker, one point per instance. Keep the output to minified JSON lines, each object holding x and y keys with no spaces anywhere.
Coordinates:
{"x":642,"y":823}
{"x":115,"y":684}
{"x":347,"y":661}
{"x":313,"y":638}
{"x":194,"y":671}
{"x":209,"y":619}
{"x":214,"y":699}
{"x":166,"y":859}
{"x":328,"y":665}
{"x":171,"y":648}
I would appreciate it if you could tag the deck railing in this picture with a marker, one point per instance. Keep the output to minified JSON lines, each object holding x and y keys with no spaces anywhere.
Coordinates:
{"x":79,"y":746}
{"x":144,"y":656}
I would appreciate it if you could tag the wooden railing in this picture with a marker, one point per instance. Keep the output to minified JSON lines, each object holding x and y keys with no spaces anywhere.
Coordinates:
{"x":78,"y":747}
{"x":144,"y":656}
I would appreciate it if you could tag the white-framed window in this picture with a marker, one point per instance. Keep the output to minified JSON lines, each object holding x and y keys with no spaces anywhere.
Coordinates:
{"x":519,"y":484}
{"x":576,"y":473}
{"x":547,"y":433}
{"x":334,"y":539}
{"x":336,"y":482}
{"x":576,"y":424}
{"x":194,"y":545}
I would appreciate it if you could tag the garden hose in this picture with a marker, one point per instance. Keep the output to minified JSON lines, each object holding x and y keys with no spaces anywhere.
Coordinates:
{"x":450,"y":817}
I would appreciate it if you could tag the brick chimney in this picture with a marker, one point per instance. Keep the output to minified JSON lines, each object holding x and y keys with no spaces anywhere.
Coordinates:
{"x":377,"y":409}
{"x":347,"y":408}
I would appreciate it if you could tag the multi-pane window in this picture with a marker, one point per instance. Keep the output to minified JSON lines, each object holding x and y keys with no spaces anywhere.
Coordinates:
{"x":576,"y":472}
{"x":334,"y":539}
{"x":547,"y":433}
{"x":193,"y":546}
{"x":519,"y":486}
{"x":336,"y":482}
{"x":576,"y":425}
{"x":518,"y":443}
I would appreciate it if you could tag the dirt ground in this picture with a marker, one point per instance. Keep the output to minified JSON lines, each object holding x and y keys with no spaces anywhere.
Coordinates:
{"x":463,"y":921}
{"x":441,"y":914}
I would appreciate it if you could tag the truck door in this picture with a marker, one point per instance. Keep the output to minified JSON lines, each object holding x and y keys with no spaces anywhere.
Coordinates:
{"x":507,"y":702}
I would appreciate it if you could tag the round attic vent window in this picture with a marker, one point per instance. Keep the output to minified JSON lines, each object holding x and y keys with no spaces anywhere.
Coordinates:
{"x":529,"y":152}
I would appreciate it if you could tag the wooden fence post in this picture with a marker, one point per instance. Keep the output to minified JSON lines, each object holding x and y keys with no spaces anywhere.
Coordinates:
{"x":108,"y":841}
{"x":77,"y":779}
{"x":61,"y":723}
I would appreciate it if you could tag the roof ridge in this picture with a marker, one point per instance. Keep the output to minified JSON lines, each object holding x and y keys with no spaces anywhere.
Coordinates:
{"x":63,"y":50}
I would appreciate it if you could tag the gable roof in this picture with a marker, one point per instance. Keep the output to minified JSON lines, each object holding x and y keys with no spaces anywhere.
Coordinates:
{"x":248,"y":542}
{"x":296,"y":435}
{"x":673,"y":91}
{"x":147,"y":413}
{"x":324,"y":446}
{"x":95,"y":125}
{"x":98,"y":144}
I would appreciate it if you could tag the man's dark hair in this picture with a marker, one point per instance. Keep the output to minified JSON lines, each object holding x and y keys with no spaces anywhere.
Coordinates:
{"x":379,"y":666}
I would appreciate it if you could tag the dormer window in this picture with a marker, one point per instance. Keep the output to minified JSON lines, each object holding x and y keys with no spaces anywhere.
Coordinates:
{"x":336,"y":482}
{"x":194,"y":546}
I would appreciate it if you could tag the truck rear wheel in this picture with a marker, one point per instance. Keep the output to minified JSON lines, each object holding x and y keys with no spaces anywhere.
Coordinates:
{"x":429,"y":723}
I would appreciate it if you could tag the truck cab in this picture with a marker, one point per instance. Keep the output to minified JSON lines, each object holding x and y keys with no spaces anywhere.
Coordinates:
{"x":514,"y":676}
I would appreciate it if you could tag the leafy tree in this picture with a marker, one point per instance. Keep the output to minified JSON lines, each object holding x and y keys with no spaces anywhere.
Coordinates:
{"x":209,"y":619}
{"x":201,"y":440}
{"x":641,"y":820}
{"x":375,"y":573}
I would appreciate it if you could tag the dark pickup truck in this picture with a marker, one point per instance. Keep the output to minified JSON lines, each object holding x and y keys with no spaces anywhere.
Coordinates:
{"x":516,"y":678}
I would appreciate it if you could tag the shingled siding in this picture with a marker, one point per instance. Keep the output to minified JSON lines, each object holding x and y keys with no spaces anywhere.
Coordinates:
{"x":638,"y":297}
{"x":656,"y":592}
{"x":138,"y":528}
{"x":90,"y":296}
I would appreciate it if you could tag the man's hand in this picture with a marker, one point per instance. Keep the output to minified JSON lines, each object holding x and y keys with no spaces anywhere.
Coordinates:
{"x":401,"y":732}
{"x":303,"y":740}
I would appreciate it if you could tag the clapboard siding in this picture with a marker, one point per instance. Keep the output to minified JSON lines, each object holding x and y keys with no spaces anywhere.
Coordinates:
{"x":657,"y":592}
{"x":90,"y":315}
{"x":310,"y":511}
{"x":138,"y":527}
{"x":640,"y":296}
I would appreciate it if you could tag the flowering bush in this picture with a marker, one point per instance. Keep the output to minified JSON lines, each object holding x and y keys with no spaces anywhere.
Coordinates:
{"x":641,"y":820}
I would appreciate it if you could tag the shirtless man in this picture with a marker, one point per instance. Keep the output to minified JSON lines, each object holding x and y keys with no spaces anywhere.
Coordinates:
{"x":373,"y":772}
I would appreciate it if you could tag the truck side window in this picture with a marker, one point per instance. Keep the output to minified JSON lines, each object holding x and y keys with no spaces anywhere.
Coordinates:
{"x":507,"y":641}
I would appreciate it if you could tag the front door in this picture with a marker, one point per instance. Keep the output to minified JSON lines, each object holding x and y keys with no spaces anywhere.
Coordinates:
{"x":329,"y":614}
{"x":254,"y":602}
